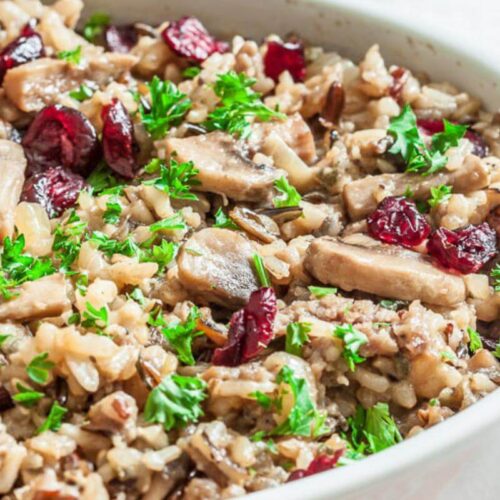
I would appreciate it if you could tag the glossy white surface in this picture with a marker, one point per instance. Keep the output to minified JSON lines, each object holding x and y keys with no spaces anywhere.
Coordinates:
{"x":458,"y":459}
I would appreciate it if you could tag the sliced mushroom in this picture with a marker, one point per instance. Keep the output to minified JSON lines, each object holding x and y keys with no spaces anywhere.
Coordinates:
{"x":223,"y":166}
{"x":294,"y":132}
{"x":215,"y":266}
{"x":12,"y":167}
{"x":361,"y":198}
{"x":38,"y":299}
{"x":258,"y":225}
{"x":282,"y":214}
{"x":360,"y":263}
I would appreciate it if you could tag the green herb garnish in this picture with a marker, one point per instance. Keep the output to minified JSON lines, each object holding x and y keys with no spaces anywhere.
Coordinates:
{"x":321,"y":291}
{"x":261,"y":271}
{"x":93,"y":317}
{"x":113,"y":211}
{"x":171,"y":223}
{"x":3,"y":338}
{"x":68,"y":241}
{"x":263,"y":399}
{"x":475,"y":342}
{"x":27,"y":396}
{"x":353,"y":339}
{"x":238,"y":102}
{"x":289,"y":197}
{"x":162,"y":254}
{"x":71,"y":56}
{"x":168,"y":107}
{"x":296,"y":337}
{"x":82,"y":93}
{"x":439,"y":194}
{"x":109,"y":246}
{"x":94,"y":27}
{"x":223,"y":221}
{"x":103,"y":181}
{"x":191,"y":72}
{"x":38,"y":368}
{"x":175,"y":401}
{"x":54,"y":419}
{"x":495,"y":276}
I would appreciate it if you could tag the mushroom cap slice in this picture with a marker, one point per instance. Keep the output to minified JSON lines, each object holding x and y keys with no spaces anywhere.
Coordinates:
{"x":215,"y":266}
{"x":360,"y":263}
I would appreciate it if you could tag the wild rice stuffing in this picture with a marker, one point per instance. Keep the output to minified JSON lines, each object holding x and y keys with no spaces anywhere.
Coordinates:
{"x":229,"y":266}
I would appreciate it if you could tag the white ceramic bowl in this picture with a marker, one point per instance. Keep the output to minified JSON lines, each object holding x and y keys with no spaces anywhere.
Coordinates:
{"x":458,"y":459}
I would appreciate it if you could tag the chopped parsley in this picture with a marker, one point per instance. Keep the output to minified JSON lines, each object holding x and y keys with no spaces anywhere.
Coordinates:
{"x":3,"y":338}
{"x":495,"y":275}
{"x":95,"y":318}
{"x":68,"y":241}
{"x":289,"y":197}
{"x":94,"y":27}
{"x":191,"y":72}
{"x":223,"y":221}
{"x":82,"y":93}
{"x":18,"y":268}
{"x":392,"y":305}
{"x":261,"y":271}
{"x":296,"y":337}
{"x":176,"y":401}
{"x":263,"y":399}
{"x":109,"y":246}
{"x":27,"y":396}
{"x":168,"y":107}
{"x":238,"y":102}
{"x":475,"y":342}
{"x":38,"y":368}
{"x":162,"y":254}
{"x":410,"y":145}
{"x":176,"y":180}
{"x":321,"y":291}
{"x":54,"y":419}
{"x":353,"y":339}
{"x":496,"y":352}
{"x":113,"y":211}
{"x":439,"y":194}
{"x":169,"y":224}
{"x":448,"y":356}
{"x":71,"y":56}
{"x":180,"y":336}
{"x":103,"y":181}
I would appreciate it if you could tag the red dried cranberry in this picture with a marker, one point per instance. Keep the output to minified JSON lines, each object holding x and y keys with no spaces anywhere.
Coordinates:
{"x":188,"y":38}
{"x":56,"y":189}
{"x":398,"y":222}
{"x":61,"y":136}
{"x":250,"y":329}
{"x":465,"y":250}
{"x":431,"y":127}
{"x":27,"y":47}
{"x":118,"y":141}
{"x":399,"y":78}
{"x":321,"y":463}
{"x":285,"y":57}
{"x":120,"y":38}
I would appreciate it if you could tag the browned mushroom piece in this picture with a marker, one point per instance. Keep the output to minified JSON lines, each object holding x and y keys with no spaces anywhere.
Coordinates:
{"x":361,"y":263}
{"x":259,"y":226}
{"x":224,"y":167}
{"x":215,"y":266}
{"x":360,"y":200}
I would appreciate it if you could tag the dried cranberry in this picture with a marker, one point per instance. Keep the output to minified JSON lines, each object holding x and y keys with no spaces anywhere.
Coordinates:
{"x":188,"y":38}
{"x":321,"y":463}
{"x":250,"y":329}
{"x":465,"y":250}
{"x":397,"y":221}
{"x":27,"y":47}
{"x":56,"y":189}
{"x":431,"y":127}
{"x":118,"y":141}
{"x":285,"y":57}
{"x":61,"y":136}
{"x":120,"y":38}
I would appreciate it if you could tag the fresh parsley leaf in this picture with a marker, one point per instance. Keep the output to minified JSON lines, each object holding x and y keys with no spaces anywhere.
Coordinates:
{"x":496,"y":353}
{"x":72,"y":56}
{"x":171,"y":223}
{"x":38,"y":368}
{"x":82,"y":93}
{"x":162,"y":254}
{"x":257,"y":436}
{"x":82,"y":283}
{"x":137,"y":295}
{"x":175,"y":401}
{"x":191,"y":72}
{"x":410,"y":145}
{"x":495,"y":276}
{"x":296,"y":337}
{"x":433,"y":402}
{"x":27,"y":396}
{"x":392,"y":305}
{"x":94,"y":27}
{"x":54,"y":419}
{"x":475,"y":342}
{"x":103,"y":181}
{"x":93,"y":317}
{"x":223,"y":221}
{"x":290,"y":197}
{"x":176,"y":180}
{"x":261,"y":271}
{"x":353,"y":339}
{"x":168,"y":107}
{"x":3,"y":338}
{"x":263,"y":399}
{"x":180,"y":336}
{"x":68,"y":241}
{"x":447,"y":356}
{"x":113,"y":211}
{"x":304,"y":419}
{"x":74,"y":319}
{"x":238,"y":102}
{"x":439,"y":194}
{"x":321,"y":291}
{"x":110,"y":246}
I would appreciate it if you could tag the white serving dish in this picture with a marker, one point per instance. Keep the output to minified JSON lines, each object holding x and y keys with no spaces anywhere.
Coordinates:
{"x":458,"y":459}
